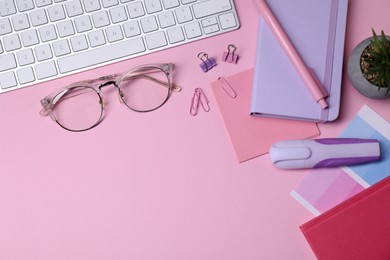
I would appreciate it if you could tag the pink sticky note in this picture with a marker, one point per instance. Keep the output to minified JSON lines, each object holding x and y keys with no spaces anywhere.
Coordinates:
{"x":252,"y":136}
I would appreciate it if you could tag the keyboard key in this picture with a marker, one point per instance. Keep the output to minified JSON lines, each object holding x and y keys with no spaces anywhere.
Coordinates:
{"x":91,"y":5}
{"x":7,"y":80}
{"x":11,"y":42}
{"x":25,"y":75}
{"x":20,"y":22}
{"x":47,"y":33}
{"x":42,"y":3}
{"x":168,"y":4}
{"x":183,"y":14}
{"x":207,"y":8}
{"x":131,"y":29}
{"x":118,"y":14}
{"x":209,"y":21}
{"x":100,"y":19}
{"x":153,"y":6}
{"x":43,"y":52}
{"x":156,"y":40}
{"x":135,"y":9}
{"x":56,"y":13}
{"x":227,"y":21}
{"x":98,"y":56}
{"x":61,"y":47}
{"x":175,"y":35}
{"x":192,"y":30}
{"x":38,"y":17}
{"x":73,"y":8}
{"x":166,"y":19}
{"x":46,"y":70}
{"x":149,"y":24}
{"x":79,"y":43}
{"x":211,"y":29}
{"x":65,"y":28}
{"x":83,"y":24}
{"x":114,"y":33}
{"x":29,"y":38}
{"x":5,"y":26}
{"x":96,"y":38}
{"x":7,"y":7}
{"x":24,"y":5}
{"x":109,"y":3}
{"x":25,"y":57}
{"x":7,"y":61}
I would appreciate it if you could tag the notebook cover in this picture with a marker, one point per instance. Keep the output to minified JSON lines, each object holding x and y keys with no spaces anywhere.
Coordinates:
{"x":317,"y":30}
{"x":253,"y":136}
{"x":358,"y":228}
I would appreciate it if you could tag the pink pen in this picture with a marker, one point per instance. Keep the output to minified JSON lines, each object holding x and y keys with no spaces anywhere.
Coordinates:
{"x":308,"y":77}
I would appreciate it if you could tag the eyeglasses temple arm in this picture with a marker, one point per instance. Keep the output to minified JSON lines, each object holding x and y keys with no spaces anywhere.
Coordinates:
{"x":174,"y":87}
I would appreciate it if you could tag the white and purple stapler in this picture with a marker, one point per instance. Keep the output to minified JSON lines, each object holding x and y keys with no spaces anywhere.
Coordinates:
{"x":327,"y":152}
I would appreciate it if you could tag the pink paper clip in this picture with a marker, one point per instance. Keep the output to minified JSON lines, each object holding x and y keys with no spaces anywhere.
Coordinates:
{"x":229,"y":56}
{"x":227,"y":88}
{"x":207,"y":63}
{"x":199,"y":98}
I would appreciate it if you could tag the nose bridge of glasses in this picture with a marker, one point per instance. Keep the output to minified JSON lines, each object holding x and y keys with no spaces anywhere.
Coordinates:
{"x":107,"y":83}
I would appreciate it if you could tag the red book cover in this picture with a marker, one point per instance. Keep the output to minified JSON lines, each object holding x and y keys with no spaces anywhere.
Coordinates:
{"x":358,"y":228}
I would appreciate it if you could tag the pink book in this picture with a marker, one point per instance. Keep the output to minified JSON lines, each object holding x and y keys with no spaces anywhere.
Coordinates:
{"x":358,"y":228}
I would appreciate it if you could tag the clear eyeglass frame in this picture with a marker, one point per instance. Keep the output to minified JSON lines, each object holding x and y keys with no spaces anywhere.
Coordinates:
{"x":93,"y":88}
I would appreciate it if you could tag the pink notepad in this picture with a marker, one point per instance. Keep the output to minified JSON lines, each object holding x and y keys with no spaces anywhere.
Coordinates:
{"x":252,"y":136}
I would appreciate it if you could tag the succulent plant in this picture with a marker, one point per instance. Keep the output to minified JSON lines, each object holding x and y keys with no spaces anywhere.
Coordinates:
{"x":375,"y":62}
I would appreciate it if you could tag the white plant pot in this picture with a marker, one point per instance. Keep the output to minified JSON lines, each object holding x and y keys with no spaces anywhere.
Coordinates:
{"x":358,"y":81}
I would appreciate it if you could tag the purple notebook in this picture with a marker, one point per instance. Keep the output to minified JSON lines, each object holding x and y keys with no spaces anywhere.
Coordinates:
{"x":317,"y":30}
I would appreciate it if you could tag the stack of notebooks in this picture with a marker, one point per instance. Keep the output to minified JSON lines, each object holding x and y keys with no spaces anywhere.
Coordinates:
{"x":317,"y":31}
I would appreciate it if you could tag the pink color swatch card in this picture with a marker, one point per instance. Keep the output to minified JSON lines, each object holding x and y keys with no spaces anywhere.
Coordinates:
{"x":322,"y":189}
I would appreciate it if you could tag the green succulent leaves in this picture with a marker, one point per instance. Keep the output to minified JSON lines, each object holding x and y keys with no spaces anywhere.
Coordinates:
{"x":379,"y":61}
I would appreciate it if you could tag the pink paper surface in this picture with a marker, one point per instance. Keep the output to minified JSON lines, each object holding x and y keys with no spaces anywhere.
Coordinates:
{"x":163,"y":185}
{"x":253,"y":136}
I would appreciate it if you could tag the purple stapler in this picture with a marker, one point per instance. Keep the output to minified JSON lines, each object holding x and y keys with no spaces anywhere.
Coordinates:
{"x":328,"y":152}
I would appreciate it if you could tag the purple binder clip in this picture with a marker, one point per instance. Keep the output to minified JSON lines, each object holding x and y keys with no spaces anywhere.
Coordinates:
{"x":207,"y":63}
{"x":229,"y":56}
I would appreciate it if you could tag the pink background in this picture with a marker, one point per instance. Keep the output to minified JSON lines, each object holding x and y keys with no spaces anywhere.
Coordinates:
{"x":163,"y":185}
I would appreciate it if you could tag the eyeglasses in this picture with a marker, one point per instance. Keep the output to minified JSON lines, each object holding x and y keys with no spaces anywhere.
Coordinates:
{"x":79,"y":107}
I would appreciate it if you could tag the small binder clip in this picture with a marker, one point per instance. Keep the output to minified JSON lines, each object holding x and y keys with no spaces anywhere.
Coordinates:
{"x":207,"y":63}
{"x":199,"y":98}
{"x":229,"y":56}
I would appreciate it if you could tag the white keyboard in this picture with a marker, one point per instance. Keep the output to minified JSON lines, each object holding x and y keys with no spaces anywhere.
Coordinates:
{"x":46,"y":39}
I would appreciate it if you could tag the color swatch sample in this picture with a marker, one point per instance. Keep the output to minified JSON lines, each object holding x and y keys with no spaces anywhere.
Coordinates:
{"x":322,"y":189}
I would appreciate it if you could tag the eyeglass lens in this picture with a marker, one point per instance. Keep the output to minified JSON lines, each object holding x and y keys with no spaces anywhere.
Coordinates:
{"x":81,"y":108}
{"x":144,"y":90}
{"x":78,"y":109}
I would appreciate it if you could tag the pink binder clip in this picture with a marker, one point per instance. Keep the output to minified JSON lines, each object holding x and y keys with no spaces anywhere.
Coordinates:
{"x":229,"y":56}
{"x":207,"y":63}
